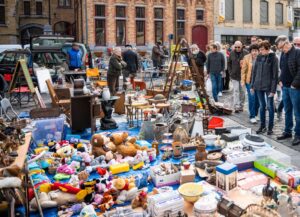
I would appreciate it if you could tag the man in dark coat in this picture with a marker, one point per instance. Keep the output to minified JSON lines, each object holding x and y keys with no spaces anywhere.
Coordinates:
{"x":289,"y":80}
{"x":131,"y":59}
{"x":234,"y":68}
{"x":157,"y":55}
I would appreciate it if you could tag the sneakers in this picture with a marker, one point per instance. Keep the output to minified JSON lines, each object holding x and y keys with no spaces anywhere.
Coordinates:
{"x":261,"y":130}
{"x":253,"y":121}
{"x":220,"y":94}
{"x":270,"y":132}
{"x":296,"y":141}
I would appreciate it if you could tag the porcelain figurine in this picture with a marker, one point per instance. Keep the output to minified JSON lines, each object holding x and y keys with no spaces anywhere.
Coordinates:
{"x":105,"y":94}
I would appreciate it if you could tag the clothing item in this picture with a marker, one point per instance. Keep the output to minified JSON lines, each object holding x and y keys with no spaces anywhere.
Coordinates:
{"x":200,"y":59}
{"x":266,"y":101}
{"x":253,"y":103}
{"x":75,"y":58}
{"x":115,"y":65}
{"x":246,"y":70}
{"x":265,"y":73}
{"x":215,"y":62}
{"x":113,"y":84}
{"x":238,"y":95}
{"x":291,"y":102}
{"x":280,"y":107}
{"x":215,"y":81}
{"x":131,"y":59}
{"x":234,"y":64}
{"x":285,"y":77}
{"x":226,"y":80}
{"x":157,"y":55}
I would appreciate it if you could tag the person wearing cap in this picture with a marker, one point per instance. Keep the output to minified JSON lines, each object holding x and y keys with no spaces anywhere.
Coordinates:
{"x":131,"y":59}
{"x":115,"y":67}
{"x":74,"y":57}
{"x":290,"y":81}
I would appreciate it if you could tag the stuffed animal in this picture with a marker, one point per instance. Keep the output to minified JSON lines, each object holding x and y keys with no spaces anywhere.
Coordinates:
{"x":98,"y":146}
{"x":87,"y":191}
{"x":65,"y":187}
{"x":126,"y":146}
{"x":65,"y":152}
{"x":73,"y":210}
{"x":140,"y":200}
{"x":88,"y":211}
{"x":127,"y":189}
{"x":83,"y":175}
{"x":107,"y":202}
{"x":97,"y":200}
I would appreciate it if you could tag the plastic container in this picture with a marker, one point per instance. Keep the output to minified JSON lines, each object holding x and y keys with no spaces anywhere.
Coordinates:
{"x":215,"y":122}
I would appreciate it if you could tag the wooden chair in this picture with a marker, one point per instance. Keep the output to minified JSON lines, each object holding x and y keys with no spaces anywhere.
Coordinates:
{"x":63,"y":104}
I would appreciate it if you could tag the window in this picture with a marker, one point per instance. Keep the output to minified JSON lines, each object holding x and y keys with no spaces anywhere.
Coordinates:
{"x":297,"y":18}
{"x":121,"y":11}
{"x":247,"y":11}
{"x":100,"y":25}
{"x":26,"y":7}
{"x":158,"y":13}
{"x":121,"y":28}
{"x":140,"y":12}
{"x":120,"y":25}
{"x":264,"y":12}
{"x":2,"y":12}
{"x":64,"y":3}
{"x":229,"y":10}
{"x":158,"y":24}
{"x":180,"y":23}
{"x":158,"y":29}
{"x":39,"y":8}
{"x":140,"y":25}
{"x":279,"y":13}
{"x":199,"y":15}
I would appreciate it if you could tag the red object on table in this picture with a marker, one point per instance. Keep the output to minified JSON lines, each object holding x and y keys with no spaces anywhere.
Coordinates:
{"x":215,"y":122}
{"x":140,"y":84}
{"x":22,"y":89}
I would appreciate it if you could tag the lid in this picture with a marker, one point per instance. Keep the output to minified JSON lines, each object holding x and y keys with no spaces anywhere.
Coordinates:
{"x":226,"y":168}
{"x":253,"y":138}
{"x":206,"y":204}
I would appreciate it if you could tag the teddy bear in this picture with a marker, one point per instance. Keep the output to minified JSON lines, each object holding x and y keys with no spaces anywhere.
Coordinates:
{"x":126,"y":146}
{"x":126,"y":188}
{"x":140,"y":200}
{"x":98,"y":145}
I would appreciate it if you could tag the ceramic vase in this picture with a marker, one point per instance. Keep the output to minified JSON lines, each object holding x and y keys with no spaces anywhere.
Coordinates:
{"x":105,"y":94}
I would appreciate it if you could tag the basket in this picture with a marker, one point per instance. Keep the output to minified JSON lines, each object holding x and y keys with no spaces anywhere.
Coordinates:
{"x":215,"y":122}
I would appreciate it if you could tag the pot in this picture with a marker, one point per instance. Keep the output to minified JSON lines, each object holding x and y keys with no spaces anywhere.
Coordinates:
{"x":210,"y":139}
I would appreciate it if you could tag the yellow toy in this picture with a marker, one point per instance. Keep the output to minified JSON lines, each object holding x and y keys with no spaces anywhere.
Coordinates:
{"x":138,"y":166}
{"x":126,"y":188}
{"x":119,"y":168}
{"x":41,"y":149}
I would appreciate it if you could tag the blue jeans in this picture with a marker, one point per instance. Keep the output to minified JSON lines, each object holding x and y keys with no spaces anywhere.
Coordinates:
{"x":291,"y":102}
{"x":265,"y":100}
{"x":253,"y":103}
{"x":216,"y":79}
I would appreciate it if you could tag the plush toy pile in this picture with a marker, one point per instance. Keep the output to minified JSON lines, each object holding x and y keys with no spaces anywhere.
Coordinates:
{"x":73,"y":175}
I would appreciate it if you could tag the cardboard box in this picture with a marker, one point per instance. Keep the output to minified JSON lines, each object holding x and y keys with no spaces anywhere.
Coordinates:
{"x":187,"y":175}
{"x":164,"y":180}
{"x":226,"y":176}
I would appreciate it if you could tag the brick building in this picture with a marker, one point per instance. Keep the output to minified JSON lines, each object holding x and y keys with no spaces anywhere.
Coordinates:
{"x":19,"y":19}
{"x":142,"y":22}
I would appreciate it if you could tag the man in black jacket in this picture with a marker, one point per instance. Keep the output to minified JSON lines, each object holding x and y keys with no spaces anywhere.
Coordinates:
{"x":234,"y":68}
{"x":290,"y":81}
{"x":131,"y":59}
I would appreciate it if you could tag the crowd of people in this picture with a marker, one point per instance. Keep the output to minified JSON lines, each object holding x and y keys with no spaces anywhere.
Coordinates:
{"x":260,"y":69}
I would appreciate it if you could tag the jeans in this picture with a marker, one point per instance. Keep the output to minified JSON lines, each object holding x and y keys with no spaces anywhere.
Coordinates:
{"x":263,"y":96}
{"x":216,"y":79}
{"x":253,"y":103}
{"x":238,"y":95}
{"x":291,"y":102}
{"x":220,"y":88}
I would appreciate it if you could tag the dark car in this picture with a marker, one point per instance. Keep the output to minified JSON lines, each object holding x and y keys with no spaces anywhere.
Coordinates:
{"x":9,"y":59}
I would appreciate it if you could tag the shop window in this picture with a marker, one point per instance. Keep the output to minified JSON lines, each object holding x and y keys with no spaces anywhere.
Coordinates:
{"x":199,"y":15}
{"x":264,"y":12}
{"x":2,"y":12}
{"x":39,"y":8}
{"x":100,"y":28}
{"x":279,"y":13}
{"x":229,"y":9}
{"x":26,"y":5}
{"x":247,"y":11}
{"x":158,"y":29}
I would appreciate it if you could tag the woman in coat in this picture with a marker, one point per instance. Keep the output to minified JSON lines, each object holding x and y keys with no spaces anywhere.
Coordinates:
{"x":115,"y":66}
{"x":264,"y":82}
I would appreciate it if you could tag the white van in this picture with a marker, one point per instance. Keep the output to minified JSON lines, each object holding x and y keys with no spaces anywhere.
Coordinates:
{"x":4,"y":47}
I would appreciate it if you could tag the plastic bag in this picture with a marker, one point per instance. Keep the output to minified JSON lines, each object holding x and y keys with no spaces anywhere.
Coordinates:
{"x":208,"y":85}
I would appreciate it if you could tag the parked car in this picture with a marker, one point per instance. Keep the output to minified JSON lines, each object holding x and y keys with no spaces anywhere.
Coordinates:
{"x":8,"y":61}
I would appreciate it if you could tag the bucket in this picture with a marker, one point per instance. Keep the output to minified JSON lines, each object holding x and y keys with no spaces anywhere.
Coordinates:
{"x":215,"y":122}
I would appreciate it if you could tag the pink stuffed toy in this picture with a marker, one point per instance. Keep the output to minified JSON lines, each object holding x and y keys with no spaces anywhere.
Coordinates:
{"x":97,"y":199}
{"x":65,"y":169}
